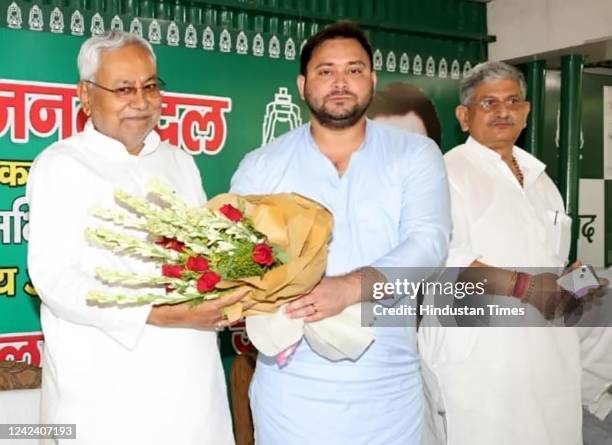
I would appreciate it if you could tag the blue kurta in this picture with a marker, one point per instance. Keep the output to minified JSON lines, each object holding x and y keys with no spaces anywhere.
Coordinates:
{"x":391,"y":209}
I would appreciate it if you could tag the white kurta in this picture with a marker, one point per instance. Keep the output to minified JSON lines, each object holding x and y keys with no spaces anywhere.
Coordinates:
{"x":120,"y":380}
{"x":503,"y":385}
{"x":596,"y":352}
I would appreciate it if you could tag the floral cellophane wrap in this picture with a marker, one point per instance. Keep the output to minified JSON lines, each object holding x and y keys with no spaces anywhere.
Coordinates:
{"x":302,"y":228}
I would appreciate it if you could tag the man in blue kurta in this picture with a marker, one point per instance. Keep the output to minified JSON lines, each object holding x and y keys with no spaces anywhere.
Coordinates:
{"x":388,"y":192}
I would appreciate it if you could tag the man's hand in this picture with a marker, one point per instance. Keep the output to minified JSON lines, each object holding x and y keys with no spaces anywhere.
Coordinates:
{"x":327,"y":299}
{"x":594,"y":293}
{"x":207,"y":315}
{"x":548,"y":297}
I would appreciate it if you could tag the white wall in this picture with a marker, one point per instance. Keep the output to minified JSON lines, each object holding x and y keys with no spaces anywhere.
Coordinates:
{"x":529,"y":27}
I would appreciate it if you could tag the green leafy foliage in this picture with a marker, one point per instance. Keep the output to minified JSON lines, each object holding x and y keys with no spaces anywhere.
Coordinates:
{"x":237,"y":263}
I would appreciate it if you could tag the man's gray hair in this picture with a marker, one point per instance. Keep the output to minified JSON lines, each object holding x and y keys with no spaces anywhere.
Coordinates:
{"x":88,"y":60}
{"x":486,"y":72}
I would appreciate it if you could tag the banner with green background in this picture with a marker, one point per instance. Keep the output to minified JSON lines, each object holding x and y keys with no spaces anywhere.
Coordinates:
{"x":231,"y":86}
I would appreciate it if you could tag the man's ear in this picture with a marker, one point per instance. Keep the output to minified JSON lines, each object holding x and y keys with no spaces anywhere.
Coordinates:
{"x":301,"y":81}
{"x":83,"y":94}
{"x":374,"y":79}
{"x":461,"y":113}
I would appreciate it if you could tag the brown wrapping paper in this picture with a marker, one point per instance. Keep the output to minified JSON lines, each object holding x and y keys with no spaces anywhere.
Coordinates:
{"x":296,"y":224}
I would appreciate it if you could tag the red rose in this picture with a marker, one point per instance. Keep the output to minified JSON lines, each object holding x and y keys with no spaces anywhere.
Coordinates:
{"x":172,"y":270}
{"x":177,"y":245}
{"x":207,"y":281}
{"x":262,"y":254}
{"x":162,"y":241}
{"x":231,"y":212}
{"x":171,"y":243}
{"x":197,"y":263}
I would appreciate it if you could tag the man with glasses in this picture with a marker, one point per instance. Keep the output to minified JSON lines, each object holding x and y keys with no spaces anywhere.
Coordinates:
{"x":503,"y":385}
{"x":119,"y":373}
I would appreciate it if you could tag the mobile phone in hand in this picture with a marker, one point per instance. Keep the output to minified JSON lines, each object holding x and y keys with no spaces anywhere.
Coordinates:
{"x":579,"y":281}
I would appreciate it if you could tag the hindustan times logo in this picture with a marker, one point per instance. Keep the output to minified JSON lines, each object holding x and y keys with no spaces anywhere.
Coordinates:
{"x":406,"y":288}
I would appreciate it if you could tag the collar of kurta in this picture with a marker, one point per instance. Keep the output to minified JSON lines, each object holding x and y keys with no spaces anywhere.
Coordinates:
{"x":113,"y":149}
{"x":531,"y":166}
{"x":362,"y":147}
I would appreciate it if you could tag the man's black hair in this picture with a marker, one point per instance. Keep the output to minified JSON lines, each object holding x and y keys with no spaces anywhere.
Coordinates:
{"x":343,"y":29}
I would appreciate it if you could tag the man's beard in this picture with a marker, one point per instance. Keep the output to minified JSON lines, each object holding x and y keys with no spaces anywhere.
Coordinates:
{"x":338,"y":121}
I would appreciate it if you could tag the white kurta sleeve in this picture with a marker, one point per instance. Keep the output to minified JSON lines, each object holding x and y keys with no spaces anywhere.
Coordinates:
{"x":425,"y":216}
{"x":56,"y":200}
{"x":460,"y":252}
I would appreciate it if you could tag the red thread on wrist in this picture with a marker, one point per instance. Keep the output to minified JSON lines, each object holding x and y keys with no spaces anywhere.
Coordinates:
{"x":520,"y":287}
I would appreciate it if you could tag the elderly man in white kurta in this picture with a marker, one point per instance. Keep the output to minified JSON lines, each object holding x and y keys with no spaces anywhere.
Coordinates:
{"x":122,"y":375}
{"x":503,"y":385}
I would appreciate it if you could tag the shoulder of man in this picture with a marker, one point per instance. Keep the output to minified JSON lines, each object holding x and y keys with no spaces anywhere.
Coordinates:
{"x":401,"y":142}
{"x":60,"y":163}
{"x":280,"y":147}
{"x":457,"y":162}
{"x":168,"y":149}
{"x":262,"y":166}
{"x":455,"y":154}
{"x":63,"y":149}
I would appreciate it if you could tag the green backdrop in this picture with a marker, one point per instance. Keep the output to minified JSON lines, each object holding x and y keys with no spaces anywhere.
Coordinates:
{"x":252,"y":56}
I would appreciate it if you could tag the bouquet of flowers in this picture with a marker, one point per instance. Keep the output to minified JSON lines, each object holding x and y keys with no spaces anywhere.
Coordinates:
{"x":271,"y":247}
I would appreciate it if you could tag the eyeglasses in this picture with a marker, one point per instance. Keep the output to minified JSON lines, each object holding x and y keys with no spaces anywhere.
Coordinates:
{"x":489,"y":104}
{"x":151,"y":89}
